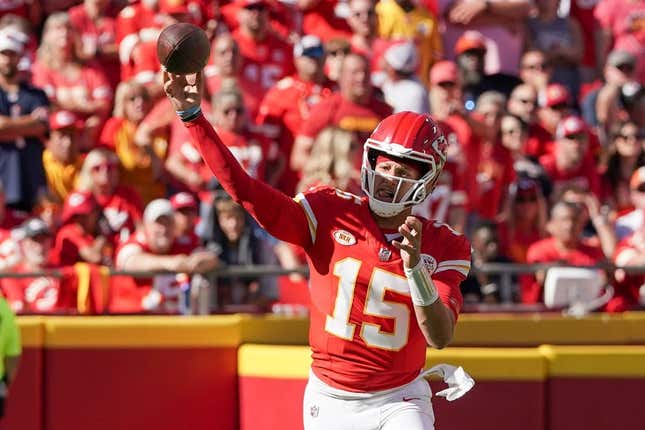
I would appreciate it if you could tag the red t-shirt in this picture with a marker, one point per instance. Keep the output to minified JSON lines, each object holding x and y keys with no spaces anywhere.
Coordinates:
{"x":94,"y":34}
{"x":545,"y":251}
{"x":69,"y":240}
{"x":583,"y":12}
{"x":584,"y":176}
{"x":539,"y":141}
{"x":264,"y":62}
{"x":337,"y":111}
{"x":32,"y":295}
{"x":90,"y":85}
{"x":122,"y":210}
{"x":494,"y":175}
{"x":627,"y":287}
{"x":321,"y":21}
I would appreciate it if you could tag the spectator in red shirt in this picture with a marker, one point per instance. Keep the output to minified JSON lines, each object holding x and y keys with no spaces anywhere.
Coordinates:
{"x":121,"y":205}
{"x":225,"y":66}
{"x":523,"y":102}
{"x":495,"y":171}
{"x":186,"y":214}
{"x":446,"y":105}
{"x":71,"y":85}
{"x":564,"y":245}
{"x":80,"y":238}
{"x":625,"y":154}
{"x":97,"y":35}
{"x":526,"y":223}
{"x":155,"y":248}
{"x":554,"y":104}
{"x":569,"y":163}
{"x":266,"y":58}
{"x":29,"y":295}
{"x":288,"y":103}
{"x":353,"y":108}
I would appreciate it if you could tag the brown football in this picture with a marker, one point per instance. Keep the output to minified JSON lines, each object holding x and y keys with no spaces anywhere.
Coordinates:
{"x":183,"y":48}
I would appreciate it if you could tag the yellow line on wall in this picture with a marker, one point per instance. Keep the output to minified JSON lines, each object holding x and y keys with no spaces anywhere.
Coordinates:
{"x":595,"y":361}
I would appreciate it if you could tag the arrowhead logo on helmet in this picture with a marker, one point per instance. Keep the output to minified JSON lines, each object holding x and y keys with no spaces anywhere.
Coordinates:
{"x":412,"y":137}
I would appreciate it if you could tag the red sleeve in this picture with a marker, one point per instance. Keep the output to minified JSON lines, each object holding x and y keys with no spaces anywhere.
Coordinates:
{"x":277,"y":213}
{"x":12,"y":290}
{"x":451,"y":271}
{"x":319,"y":118}
{"x":110,"y":128}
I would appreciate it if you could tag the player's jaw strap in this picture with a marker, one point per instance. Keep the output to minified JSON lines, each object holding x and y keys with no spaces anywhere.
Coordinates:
{"x":422,"y":289}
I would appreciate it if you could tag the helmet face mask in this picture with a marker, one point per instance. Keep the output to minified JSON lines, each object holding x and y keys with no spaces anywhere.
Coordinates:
{"x":408,"y":137}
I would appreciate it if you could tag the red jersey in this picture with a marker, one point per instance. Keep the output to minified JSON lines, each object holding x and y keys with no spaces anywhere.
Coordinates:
{"x":494,"y":175}
{"x":94,"y":34}
{"x":129,"y":292}
{"x":264,"y":62}
{"x":583,"y":12}
{"x":135,"y":23}
{"x":122,"y":211}
{"x":90,"y":85}
{"x":585,"y":176}
{"x":337,"y":111}
{"x":69,"y":240}
{"x":363,"y":332}
{"x":546,"y":251}
{"x":31,"y":295}
{"x":539,"y":141}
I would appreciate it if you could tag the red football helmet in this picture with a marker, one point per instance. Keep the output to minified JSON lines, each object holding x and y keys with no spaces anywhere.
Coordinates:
{"x":411,"y":137}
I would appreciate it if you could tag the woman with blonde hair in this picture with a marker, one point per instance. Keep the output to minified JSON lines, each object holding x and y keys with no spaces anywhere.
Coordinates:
{"x":332,"y":161}
{"x":141,"y":164}
{"x":70,"y":84}
{"x":120,"y":205}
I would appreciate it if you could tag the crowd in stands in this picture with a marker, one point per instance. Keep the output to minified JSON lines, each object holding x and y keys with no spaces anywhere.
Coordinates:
{"x":542,"y":103}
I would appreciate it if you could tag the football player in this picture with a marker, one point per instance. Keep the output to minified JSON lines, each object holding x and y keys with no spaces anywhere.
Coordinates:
{"x":384,"y":284}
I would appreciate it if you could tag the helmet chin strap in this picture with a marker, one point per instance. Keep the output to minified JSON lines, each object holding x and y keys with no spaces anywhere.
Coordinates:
{"x":385,"y":209}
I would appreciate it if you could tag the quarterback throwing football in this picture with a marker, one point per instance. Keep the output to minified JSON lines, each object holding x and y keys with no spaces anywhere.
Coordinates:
{"x":384,"y":284}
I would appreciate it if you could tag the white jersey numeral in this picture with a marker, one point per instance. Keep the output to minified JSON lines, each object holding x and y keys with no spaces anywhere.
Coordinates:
{"x":375,"y":305}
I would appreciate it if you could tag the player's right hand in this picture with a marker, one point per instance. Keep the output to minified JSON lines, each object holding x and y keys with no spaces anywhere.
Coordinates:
{"x":183,"y":91}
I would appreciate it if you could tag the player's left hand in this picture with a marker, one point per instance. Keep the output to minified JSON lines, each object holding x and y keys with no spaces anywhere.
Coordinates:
{"x":410,"y":246}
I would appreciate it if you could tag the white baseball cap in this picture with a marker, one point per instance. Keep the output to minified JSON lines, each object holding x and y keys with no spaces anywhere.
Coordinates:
{"x":402,"y":57}
{"x":156,"y":209}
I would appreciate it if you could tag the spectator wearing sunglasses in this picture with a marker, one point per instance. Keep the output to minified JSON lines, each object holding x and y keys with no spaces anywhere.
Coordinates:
{"x":535,"y":70}
{"x":569,"y":162}
{"x":604,"y":107}
{"x":523,"y":103}
{"x":624,"y":154}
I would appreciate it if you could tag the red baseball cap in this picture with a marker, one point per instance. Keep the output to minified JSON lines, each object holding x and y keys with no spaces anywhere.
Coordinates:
{"x":470,"y":40}
{"x":183,"y":200}
{"x":78,"y":203}
{"x":64,"y":119}
{"x":555,"y":94}
{"x":570,"y":126}
{"x":444,"y":71}
{"x":171,"y":7}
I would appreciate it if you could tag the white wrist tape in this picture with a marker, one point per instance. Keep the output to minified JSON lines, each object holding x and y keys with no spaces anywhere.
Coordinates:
{"x":422,"y":289}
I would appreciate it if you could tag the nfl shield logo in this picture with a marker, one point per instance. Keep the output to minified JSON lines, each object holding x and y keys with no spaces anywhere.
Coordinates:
{"x":313,"y":411}
{"x":384,"y":254}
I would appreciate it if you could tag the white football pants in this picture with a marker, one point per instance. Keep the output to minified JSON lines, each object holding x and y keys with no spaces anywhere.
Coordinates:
{"x":407,"y":407}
